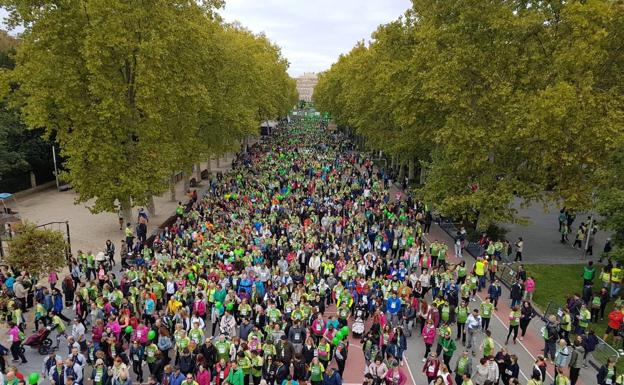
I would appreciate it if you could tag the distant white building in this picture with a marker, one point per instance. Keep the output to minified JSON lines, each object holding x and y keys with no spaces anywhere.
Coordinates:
{"x":306,"y":84}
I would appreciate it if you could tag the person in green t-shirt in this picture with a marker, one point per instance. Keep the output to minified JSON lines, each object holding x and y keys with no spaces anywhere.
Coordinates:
{"x":463,"y":366}
{"x":256,"y":366}
{"x":316,"y":371}
{"x":486,"y":313}
{"x":514,"y":322}
{"x":487,"y":345}
{"x":59,"y":326}
{"x":448,"y":348}
{"x":245,"y":364}
{"x":462,"y":315}
{"x":151,"y":351}
{"x":236,"y":375}
{"x":223,"y":348}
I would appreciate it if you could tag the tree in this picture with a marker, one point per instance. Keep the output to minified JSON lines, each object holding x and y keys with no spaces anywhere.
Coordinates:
{"x":11,"y":159}
{"x":500,"y":101}
{"x":137,"y":91}
{"x":37,"y":250}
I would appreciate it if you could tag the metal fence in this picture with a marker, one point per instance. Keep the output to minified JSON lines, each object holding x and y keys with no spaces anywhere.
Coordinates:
{"x":472,"y":248}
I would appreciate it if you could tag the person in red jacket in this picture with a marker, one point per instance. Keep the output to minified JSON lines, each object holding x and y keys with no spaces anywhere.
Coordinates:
{"x":430,"y":369}
{"x":222,"y":370}
{"x":613,"y":326}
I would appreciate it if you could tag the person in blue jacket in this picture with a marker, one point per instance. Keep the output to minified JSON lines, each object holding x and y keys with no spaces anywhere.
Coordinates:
{"x":494,"y":292}
{"x":393,"y":307}
{"x":332,"y":377}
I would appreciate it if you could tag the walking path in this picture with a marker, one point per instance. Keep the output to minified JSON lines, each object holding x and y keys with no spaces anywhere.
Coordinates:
{"x":542,"y":238}
{"x":89,"y":232}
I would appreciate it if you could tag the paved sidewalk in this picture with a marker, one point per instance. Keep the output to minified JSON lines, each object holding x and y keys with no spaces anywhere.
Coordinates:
{"x":90,"y":231}
{"x":541,"y":237}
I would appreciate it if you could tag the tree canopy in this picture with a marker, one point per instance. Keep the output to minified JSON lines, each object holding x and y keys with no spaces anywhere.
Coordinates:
{"x":135,"y":91}
{"x":37,"y":250}
{"x":498,"y":101}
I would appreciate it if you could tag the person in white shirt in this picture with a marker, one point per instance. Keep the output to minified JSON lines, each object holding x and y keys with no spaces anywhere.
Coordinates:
{"x":492,"y":370}
{"x":315,"y":263}
{"x":473,"y":325}
{"x":78,"y":332}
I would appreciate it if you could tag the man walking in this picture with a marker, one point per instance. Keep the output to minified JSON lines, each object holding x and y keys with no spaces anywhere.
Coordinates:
{"x":473,"y":325}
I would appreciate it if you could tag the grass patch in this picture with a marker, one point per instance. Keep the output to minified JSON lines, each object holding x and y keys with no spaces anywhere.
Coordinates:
{"x":553,"y":285}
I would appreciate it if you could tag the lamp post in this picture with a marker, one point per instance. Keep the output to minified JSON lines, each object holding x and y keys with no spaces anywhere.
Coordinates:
{"x":55,"y":167}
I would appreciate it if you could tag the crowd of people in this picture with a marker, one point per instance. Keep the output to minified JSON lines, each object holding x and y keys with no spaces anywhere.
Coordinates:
{"x":266,"y":278}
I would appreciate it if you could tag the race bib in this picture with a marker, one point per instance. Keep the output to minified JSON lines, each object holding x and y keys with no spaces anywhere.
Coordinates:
{"x":431,"y":369}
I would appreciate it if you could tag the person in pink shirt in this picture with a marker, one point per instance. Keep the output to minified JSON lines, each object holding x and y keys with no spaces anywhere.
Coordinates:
{"x":529,"y":288}
{"x":52,"y":279}
{"x":140,"y":334}
{"x":16,"y":343}
{"x":428,"y":333}
{"x":395,"y":375}
{"x":318,"y":326}
{"x":202,"y":376}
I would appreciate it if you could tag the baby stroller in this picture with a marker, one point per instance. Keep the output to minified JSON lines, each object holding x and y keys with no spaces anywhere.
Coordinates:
{"x":358,"y":327}
{"x":40,"y":340}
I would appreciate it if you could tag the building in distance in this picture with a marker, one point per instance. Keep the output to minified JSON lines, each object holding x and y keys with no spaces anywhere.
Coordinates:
{"x":305,"y":85}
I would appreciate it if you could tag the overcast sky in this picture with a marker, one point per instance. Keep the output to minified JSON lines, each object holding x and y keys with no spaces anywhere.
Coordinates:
{"x":313,"y":33}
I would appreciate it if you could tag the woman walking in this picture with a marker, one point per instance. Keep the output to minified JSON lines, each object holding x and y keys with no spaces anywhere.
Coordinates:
{"x":526,"y":315}
{"x":514,"y":322}
{"x":428,"y":333}
{"x":15,"y":336}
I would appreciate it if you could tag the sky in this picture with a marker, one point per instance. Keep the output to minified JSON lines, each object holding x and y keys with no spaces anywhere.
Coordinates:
{"x":313,"y":33}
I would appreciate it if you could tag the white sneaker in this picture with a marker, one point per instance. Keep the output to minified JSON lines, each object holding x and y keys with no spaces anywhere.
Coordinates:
{"x":424,"y":360}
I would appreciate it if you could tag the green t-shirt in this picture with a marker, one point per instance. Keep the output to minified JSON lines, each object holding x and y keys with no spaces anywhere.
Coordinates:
{"x":486,"y":310}
{"x":316,"y":372}
{"x":462,"y":314}
{"x":462,"y":364}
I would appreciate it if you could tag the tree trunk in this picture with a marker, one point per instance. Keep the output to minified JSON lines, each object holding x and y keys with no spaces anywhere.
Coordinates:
{"x":126,"y":210}
{"x":422,"y":175}
{"x":401,"y":172}
{"x":172,"y":192}
{"x":476,"y":222}
{"x":218,"y":157}
{"x":411,"y":165}
{"x":151,"y":207}
{"x":187,"y":180}
{"x":198,"y":171}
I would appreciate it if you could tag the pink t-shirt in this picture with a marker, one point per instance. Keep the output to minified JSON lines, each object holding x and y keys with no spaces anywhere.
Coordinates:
{"x":14,"y":333}
{"x":529,"y":285}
